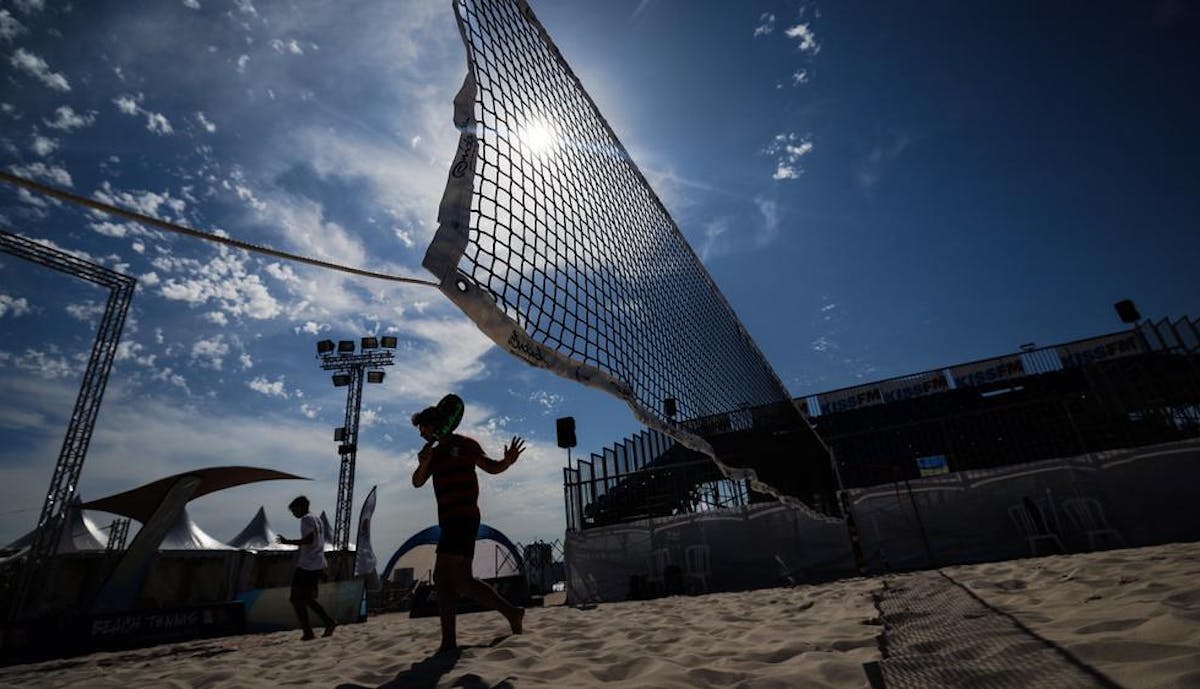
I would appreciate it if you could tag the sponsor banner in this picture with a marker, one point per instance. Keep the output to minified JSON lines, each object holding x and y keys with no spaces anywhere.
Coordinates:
{"x":135,"y":628}
{"x":914,"y":386}
{"x":990,"y":371}
{"x":850,"y":398}
{"x":1099,"y":349}
{"x":933,"y":465}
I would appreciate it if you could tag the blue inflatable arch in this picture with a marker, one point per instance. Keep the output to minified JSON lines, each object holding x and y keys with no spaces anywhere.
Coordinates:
{"x":431,"y":535}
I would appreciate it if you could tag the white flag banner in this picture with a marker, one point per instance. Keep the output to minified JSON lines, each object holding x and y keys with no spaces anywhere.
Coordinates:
{"x":364,"y":561}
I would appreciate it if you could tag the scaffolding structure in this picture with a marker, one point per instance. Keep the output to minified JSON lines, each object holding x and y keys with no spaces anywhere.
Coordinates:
{"x":66,"y":474}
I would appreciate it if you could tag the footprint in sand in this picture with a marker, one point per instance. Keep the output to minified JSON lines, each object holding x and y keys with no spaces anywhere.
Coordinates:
{"x":1109,"y":626}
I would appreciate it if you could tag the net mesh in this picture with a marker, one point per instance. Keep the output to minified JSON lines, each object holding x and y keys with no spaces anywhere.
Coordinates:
{"x":554,"y":242}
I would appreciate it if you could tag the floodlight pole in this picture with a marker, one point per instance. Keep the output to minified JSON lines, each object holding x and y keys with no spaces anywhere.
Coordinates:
{"x":354,"y":366}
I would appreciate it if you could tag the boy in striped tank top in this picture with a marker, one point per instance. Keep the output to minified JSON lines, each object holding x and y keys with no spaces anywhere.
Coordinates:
{"x":451,"y":462}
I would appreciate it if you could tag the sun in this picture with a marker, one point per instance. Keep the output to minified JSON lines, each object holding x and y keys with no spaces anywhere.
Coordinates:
{"x":540,"y":138}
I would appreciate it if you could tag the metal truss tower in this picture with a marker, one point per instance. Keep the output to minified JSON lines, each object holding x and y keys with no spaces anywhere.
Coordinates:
{"x":350,"y":370}
{"x":65,"y":479}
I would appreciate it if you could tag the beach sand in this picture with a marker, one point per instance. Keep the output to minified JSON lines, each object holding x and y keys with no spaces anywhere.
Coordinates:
{"x":1134,"y":615}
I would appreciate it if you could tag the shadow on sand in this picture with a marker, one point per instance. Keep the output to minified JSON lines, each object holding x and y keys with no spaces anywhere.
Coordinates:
{"x":425,"y":674}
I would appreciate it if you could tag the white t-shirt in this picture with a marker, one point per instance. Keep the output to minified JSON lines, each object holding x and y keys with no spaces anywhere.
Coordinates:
{"x":312,"y":555}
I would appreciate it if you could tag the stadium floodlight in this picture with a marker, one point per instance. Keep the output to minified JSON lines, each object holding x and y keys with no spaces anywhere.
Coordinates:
{"x":325,"y":347}
{"x":388,"y":341}
{"x":350,"y":369}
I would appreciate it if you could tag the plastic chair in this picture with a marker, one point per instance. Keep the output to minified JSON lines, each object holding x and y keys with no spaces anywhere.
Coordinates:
{"x":657,"y":563}
{"x":1086,"y":515}
{"x":1033,"y":526}
{"x":695,"y":560}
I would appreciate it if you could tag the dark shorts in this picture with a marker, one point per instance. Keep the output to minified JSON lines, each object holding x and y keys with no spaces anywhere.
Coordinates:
{"x":304,"y":583}
{"x":458,"y":537}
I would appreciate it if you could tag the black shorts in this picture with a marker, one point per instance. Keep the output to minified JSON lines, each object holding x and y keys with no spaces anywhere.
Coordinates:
{"x":458,"y":537}
{"x":304,"y":583}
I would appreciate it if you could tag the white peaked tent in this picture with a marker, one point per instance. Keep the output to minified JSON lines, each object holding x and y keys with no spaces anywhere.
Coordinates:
{"x":184,"y":534}
{"x":258,"y":535}
{"x":79,"y":534}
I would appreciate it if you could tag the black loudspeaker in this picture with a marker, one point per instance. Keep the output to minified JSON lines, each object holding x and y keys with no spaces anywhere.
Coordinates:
{"x":1127,"y":311}
{"x":669,"y":406}
{"x":566,"y":431}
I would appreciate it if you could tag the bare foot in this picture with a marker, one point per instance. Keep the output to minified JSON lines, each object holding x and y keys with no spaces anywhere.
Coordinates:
{"x":308,"y":636}
{"x":517,"y":621}
{"x":329,"y":629}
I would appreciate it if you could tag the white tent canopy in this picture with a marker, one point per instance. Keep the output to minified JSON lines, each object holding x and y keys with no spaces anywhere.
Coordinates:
{"x":258,"y":535}
{"x":185,"y":534}
{"x":79,"y":534}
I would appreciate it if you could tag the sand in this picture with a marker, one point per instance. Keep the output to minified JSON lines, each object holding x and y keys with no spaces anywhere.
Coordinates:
{"x":1133,"y":615}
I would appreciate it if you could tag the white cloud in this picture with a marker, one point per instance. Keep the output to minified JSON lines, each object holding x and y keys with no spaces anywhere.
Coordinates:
{"x":241,"y":63}
{"x":191,"y":4}
{"x":210,"y":353}
{"x":37,"y":67}
{"x":16,"y":306}
{"x":128,"y":104}
{"x":10,"y":28}
{"x":788,"y":149}
{"x":113,"y":229}
{"x":85,"y":311}
{"x":310,"y":328}
{"x":49,"y":365}
{"x":269,"y":388}
{"x":766,"y":24}
{"x":246,"y":361}
{"x":66,"y":119}
{"x":823,"y":344}
{"x":289,"y":46}
{"x":415,"y":141}
{"x":368,"y":417}
{"x":216,"y":318}
{"x":149,"y":279}
{"x":30,"y":6}
{"x":225,"y":280}
{"x":158,"y":123}
{"x":145,"y":202}
{"x":769,"y":210}
{"x":871,"y":168}
{"x":40,"y":170}
{"x":309,"y":411}
{"x":548,"y":401}
{"x":43,"y":145}
{"x":405,"y":237}
{"x":246,"y":7}
{"x":800,"y":76}
{"x":807,"y":40}
{"x":208,"y":126}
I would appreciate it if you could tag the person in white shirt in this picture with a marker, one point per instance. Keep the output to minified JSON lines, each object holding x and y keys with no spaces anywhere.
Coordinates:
{"x":309,"y":566}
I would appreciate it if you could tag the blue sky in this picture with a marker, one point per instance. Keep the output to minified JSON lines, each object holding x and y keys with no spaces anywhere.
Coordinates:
{"x":878,"y":190}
